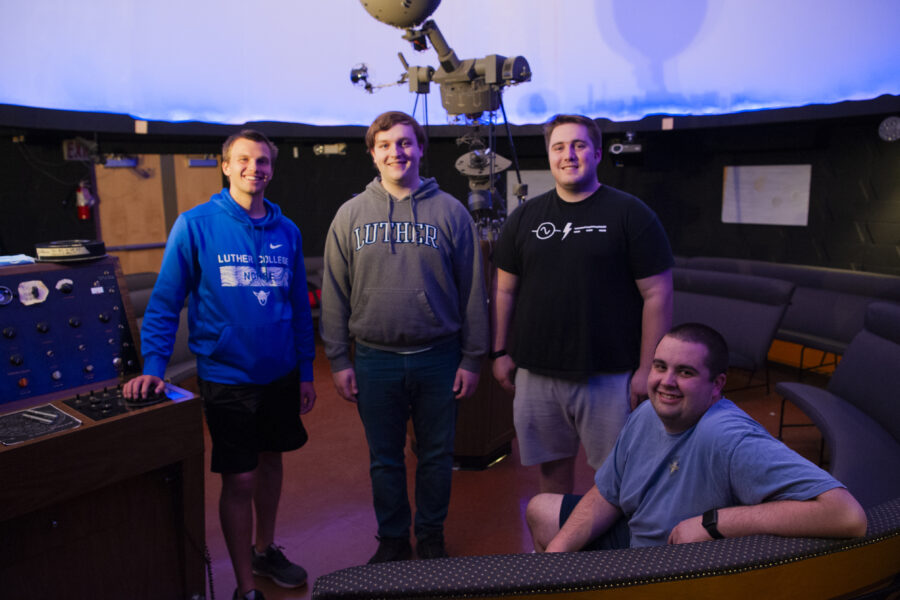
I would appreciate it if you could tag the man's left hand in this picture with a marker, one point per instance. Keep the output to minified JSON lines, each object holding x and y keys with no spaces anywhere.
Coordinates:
{"x":689,"y":530}
{"x":639,"y":386}
{"x":465,"y":383}
{"x":307,"y":396}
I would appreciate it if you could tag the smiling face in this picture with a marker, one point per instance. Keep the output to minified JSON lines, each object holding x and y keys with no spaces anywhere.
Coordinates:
{"x":248,"y":169}
{"x":680,"y":386}
{"x":397,"y":154}
{"x":573,"y":159}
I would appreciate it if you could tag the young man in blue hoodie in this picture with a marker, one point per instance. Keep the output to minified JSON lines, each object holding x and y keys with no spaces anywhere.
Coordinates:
{"x":404,"y":281}
{"x":241,"y":262}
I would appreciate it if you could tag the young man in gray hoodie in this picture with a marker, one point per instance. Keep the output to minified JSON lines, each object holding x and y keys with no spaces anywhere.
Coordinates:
{"x":404,"y":282}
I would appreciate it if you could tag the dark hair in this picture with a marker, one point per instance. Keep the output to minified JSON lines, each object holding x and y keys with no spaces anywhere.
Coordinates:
{"x":591,"y":125}
{"x":712,"y":340}
{"x":253,"y":136}
{"x":386,"y":120}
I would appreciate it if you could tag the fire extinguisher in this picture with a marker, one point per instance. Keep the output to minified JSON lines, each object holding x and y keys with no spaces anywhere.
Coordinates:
{"x":84,"y":200}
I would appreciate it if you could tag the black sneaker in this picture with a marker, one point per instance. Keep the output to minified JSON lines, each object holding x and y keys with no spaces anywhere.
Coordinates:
{"x":273,"y":564}
{"x":432,"y":546}
{"x":251,"y":595}
{"x":390,"y":549}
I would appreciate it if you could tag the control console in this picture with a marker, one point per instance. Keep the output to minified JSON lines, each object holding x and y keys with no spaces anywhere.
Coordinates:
{"x":90,"y":477}
{"x":63,"y":327}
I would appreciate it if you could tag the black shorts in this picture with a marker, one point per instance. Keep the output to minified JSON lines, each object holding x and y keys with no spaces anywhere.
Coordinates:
{"x":618,"y":536}
{"x":245,"y":420}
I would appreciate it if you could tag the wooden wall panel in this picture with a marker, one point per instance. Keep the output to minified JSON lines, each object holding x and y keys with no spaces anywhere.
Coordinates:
{"x":131,"y":207}
{"x":194,"y":185}
{"x":138,"y":261}
{"x":138,"y":206}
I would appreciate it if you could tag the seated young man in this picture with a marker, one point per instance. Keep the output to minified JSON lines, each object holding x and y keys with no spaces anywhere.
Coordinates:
{"x":691,"y":466}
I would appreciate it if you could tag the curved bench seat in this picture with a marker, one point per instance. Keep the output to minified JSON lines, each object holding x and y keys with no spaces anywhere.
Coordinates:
{"x":749,"y":567}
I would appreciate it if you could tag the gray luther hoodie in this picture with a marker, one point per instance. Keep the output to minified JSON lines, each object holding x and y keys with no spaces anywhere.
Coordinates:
{"x":402,"y":275}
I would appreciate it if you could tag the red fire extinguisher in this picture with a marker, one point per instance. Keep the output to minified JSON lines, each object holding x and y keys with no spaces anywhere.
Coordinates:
{"x":84,"y":200}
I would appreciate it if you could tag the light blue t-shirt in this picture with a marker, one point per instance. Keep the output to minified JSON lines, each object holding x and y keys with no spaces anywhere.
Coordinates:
{"x":727,"y":459}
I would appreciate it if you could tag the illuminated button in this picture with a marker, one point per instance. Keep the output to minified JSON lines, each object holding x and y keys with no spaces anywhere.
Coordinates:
{"x":88,"y":368}
{"x":23,"y":382}
{"x":56,"y":375}
{"x":50,"y":353}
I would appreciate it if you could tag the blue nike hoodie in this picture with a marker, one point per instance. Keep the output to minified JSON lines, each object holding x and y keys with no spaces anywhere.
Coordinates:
{"x":248,"y":311}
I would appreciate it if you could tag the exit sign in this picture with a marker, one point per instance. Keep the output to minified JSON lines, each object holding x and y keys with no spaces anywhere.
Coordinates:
{"x":78,"y":149}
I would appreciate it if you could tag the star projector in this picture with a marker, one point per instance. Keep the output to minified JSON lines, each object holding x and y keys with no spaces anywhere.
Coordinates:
{"x":468,"y":87}
{"x":401,"y":13}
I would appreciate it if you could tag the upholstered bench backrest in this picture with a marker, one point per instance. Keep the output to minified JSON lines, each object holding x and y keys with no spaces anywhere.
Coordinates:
{"x":829,"y":305}
{"x":871,"y":365}
{"x":745,"y":309}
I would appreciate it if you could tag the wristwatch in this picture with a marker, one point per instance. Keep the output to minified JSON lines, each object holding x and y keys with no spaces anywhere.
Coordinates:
{"x":710,"y":520}
{"x":497,"y":354}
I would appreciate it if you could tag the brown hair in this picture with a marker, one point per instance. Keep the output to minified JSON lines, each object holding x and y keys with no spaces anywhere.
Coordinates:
{"x":591,"y":125}
{"x":716,"y":347}
{"x":386,"y":120}
{"x":253,"y":136}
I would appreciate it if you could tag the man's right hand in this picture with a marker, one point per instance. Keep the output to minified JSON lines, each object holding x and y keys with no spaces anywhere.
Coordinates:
{"x":345,"y":383}
{"x":142,"y":386}
{"x":505,"y":372}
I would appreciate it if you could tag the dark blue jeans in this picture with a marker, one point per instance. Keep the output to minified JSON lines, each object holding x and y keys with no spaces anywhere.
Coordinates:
{"x":392,"y":388}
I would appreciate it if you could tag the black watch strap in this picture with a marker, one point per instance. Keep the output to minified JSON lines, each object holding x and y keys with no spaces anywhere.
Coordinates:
{"x":497,"y":354}
{"x":710,"y":520}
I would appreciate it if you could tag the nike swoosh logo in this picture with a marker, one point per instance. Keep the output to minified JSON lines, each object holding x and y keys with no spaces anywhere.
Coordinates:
{"x":275,"y":246}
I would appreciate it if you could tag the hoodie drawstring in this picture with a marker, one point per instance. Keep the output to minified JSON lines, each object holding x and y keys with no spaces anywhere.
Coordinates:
{"x":391,"y":221}
{"x":415,"y":218}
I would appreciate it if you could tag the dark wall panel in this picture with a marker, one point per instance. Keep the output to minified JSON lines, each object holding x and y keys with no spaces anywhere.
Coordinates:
{"x":37,"y":198}
{"x":854,"y":216}
{"x":854,"y":212}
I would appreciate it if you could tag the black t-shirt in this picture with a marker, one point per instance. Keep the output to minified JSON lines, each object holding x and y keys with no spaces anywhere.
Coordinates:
{"x":578,"y":309}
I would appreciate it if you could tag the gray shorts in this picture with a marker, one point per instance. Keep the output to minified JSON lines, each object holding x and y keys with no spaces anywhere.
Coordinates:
{"x":552,"y":415}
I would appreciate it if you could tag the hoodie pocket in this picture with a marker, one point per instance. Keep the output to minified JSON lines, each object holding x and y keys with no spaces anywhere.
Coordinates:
{"x":394,"y":317}
{"x":261,"y":348}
